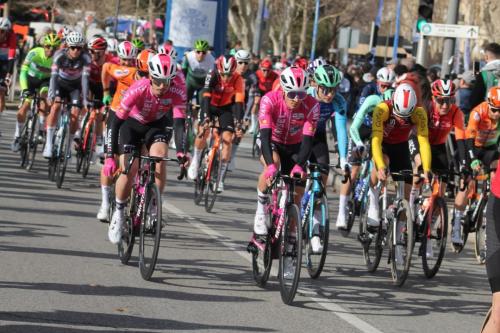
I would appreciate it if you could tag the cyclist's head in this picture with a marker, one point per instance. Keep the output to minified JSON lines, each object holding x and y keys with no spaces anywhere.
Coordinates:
{"x":97,"y":45}
{"x":143,"y":59}
{"x":63,"y":33}
{"x":226,"y":65}
{"x":51,"y":42}
{"x":385,"y":79}
{"x":404,"y":100}
{"x":494,"y":102}
{"x":301,"y":63}
{"x":443,"y":94}
{"x":294,"y":81}
{"x":266,"y":66}
{"x":127,"y":51}
{"x":201,"y":45}
{"x":5,"y":24}
{"x":242,"y":55}
{"x":327,"y":79}
{"x":112,"y":45}
{"x":75,"y":39}
{"x":168,"y":49}
{"x":162,"y":70}
{"x":313,"y":65}
{"x":138,"y":43}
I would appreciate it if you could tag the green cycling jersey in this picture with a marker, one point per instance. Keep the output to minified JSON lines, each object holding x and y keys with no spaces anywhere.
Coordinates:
{"x":363,"y":116}
{"x":36,"y":65}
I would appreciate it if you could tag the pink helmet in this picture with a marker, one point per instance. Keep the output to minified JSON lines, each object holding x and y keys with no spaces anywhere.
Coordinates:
{"x":405,"y":100}
{"x":127,"y":50}
{"x":168,"y":49}
{"x":294,"y":79}
{"x":162,"y":66}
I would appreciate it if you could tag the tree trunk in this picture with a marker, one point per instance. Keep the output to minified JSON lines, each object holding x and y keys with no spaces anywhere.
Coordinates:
{"x":289,"y":14}
{"x":303,"y":31}
{"x":151,"y":16}
{"x":274,"y":40}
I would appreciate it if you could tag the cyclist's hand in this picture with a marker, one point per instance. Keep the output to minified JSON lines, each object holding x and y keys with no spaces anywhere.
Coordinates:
{"x":476,"y":165}
{"x":298,"y":170}
{"x":270,"y":173}
{"x":184,"y":159}
{"x":25,"y":94}
{"x":109,"y":167}
{"x":239,"y":132}
{"x":382,"y":174}
{"x":106,"y":100}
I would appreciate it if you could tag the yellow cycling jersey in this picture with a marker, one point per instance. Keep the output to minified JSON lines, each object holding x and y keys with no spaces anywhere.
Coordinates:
{"x":391,"y":129}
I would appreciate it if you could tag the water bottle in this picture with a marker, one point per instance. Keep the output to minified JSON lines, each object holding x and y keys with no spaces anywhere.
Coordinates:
{"x":304,"y":201}
{"x":359,"y":186}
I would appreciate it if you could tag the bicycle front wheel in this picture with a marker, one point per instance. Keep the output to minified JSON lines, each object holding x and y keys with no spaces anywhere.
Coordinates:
{"x":290,"y":254}
{"x":200,"y":181}
{"x":213,"y":180}
{"x":318,"y":224}
{"x":62,"y":158}
{"x":480,"y":239}
{"x":33,"y":141}
{"x":126,"y":244}
{"x":401,"y":240}
{"x":262,"y":262}
{"x":434,"y":238}
{"x":150,"y":232}
{"x":88,"y":148}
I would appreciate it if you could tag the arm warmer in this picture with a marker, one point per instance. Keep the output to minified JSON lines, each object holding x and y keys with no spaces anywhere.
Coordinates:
{"x":305,"y":150}
{"x":113,"y":129}
{"x":180,"y":134}
{"x":265,"y":145}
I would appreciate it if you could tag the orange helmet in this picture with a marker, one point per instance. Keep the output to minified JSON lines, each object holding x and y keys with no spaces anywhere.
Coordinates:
{"x":494,"y":97}
{"x":143,"y":58}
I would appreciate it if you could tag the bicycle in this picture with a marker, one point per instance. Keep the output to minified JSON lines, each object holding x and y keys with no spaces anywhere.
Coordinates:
{"x":283,"y":241}
{"x":143,"y":215}
{"x":29,"y":138}
{"x":474,"y":218}
{"x":209,"y":170}
{"x":61,"y":151}
{"x":86,"y":148}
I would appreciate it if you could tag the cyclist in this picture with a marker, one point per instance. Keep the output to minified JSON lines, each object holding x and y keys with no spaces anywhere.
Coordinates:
{"x":69,"y":78}
{"x":392,"y":123}
{"x":195,"y":67}
{"x":311,"y":68}
{"x":138,"y":43}
{"x":35,"y":75}
{"x":443,"y":116}
{"x":332,"y":107}
{"x":149,"y":105}
{"x":8,"y":46}
{"x":125,"y":75}
{"x":223,"y":89}
{"x":111,"y":51}
{"x":360,"y":131}
{"x":265,"y":79}
{"x":288,"y":120}
{"x":482,"y":135}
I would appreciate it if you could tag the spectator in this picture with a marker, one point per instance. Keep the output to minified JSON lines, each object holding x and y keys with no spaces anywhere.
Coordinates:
{"x":485,"y":79}
{"x":464,"y":93}
{"x":432,"y":74}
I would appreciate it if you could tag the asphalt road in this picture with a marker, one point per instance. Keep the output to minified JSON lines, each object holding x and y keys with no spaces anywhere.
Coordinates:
{"x":58,"y":272}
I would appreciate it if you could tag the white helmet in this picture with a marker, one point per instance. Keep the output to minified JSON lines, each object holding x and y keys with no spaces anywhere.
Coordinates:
{"x":5,"y":23}
{"x":242,"y":55}
{"x":294,"y":79}
{"x":75,"y":38}
{"x":385,"y":75}
{"x":162,"y":66}
{"x":168,"y":49}
{"x":311,"y":68}
{"x":404,"y":100}
{"x":127,"y":50}
{"x":112,"y":45}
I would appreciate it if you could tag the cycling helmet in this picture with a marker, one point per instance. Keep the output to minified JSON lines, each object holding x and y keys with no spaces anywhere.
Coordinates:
{"x":328,"y":76}
{"x":404,"y":100}
{"x":242,"y":55}
{"x":301,"y":62}
{"x":143,"y":59}
{"x":168,"y":49}
{"x":494,"y":97}
{"x":443,"y":88}
{"x":266,"y":64}
{"x":387,"y":95}
{"x":138,"y":43}
{"x":279,"y":66}
{"x":51,"y":40}
{"x":385,"y":75}
{"x":5,"y":23}
{"x":162,"y":67}
{"x":97,"y":43}
{"x":112,"y":45}
{"x":311,"y":68}
{"x":75,"y":38}
{"x":201,"y":45}
{"x":225,"y":64}
{"x":126,"y":50}
{"x":63,"y":32}
{"x":294,"y":79}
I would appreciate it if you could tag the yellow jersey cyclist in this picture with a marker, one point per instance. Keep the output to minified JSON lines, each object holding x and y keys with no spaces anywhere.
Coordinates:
{"x":393,"y":121}
{"x":35,"y":75}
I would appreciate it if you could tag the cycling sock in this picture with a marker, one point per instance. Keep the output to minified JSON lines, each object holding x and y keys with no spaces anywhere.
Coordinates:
{"x":120,"y":204}
{"x":223,"y":169}
{"x":50,"y":135}
{"x":373,"y":208}
{"x":105,"y":195}
{"x":262,"y":202}
{"x":342,"y":204}
{"x":413,"y":197}
{"x":196,"y":155}
{"x":19,"y":125}
{"x":457,"y":217}
{"x":41,"y":121}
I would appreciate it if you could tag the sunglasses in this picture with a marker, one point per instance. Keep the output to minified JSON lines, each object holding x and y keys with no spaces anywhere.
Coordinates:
{"x":494,"y":109}
{"x":385,"y":86}
{"x":159,"y":82}
{"x":327,"y":90}
{"x":300,"y":95}
{"x":265,"y":70}
{"x":447,"y":100}
{"x":201,"y":52}
{"x":79,"y":48}
{"x":242,"y":62}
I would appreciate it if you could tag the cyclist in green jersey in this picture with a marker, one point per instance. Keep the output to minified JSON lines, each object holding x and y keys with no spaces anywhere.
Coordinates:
{"x":35,"y":75}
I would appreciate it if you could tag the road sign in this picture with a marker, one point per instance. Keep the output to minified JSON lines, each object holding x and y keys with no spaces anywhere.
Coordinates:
{"x":450,"y":30}
{"x":348,"y":38}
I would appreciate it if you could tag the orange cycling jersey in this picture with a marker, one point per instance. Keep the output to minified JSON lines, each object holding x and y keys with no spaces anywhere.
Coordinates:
{"x":388,"y":128}
{"x":440,"y":126}
{"x":223,"y":93}
{"x":265,"y":83}
{"x":481,"y":128}
{"x":124,"y":75}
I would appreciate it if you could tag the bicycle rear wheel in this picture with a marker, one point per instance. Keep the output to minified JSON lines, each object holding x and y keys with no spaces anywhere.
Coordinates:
{"x":436,"y":233}
{"x":401,"y":240}
{"x":290,"y":254}
{"x":200,"y":181}
{"x":126,"y":244}
{"x":255,"y":146}
{"x":371,"y":239}
{"x":88,"y":148}
{"x":480,"y":239}
{"x":214,"y":177}
{"x":62,"y":158}
{"x":316,"y":261}
{"x":150,"y":232}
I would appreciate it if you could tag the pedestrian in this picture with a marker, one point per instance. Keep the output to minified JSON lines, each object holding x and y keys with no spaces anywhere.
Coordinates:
{"x":464,"y":93}
{"x":486,"y":79}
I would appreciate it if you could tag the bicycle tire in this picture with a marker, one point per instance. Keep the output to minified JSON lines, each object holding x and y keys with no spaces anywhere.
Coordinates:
{"x":439,"y":236}
{"x":23,"y":145}
{"x":200,"y":183}
{"x":52,"y":169}
{"x":480,"y":239}
{"x":112,"y":203}
{"x":62,"y":159}
{"x":211,"y":188}
{"x":315,"y":267}
{"x":33,"y":142}
{"x":88,"y":148}
{"x":255,"y":146}
{"x":370,"y":239}
{"x":150,"y":227}
{"x":288,"y":287}
{"x":262,"y":262}
{"x":351,"y":216}
{"x":465,"y":225}
{"x":400,"y":272}
{"x":126,"y":244}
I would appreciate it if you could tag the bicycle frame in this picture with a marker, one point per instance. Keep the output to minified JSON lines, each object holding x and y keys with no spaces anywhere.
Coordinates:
{"x":216,"y":145}
{"x":480,"y":197}
{"x":317,"y":189}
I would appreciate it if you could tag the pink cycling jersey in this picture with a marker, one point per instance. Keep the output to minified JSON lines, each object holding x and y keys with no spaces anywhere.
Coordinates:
{"x":140,"y":104}
{"x":288,"y":125}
